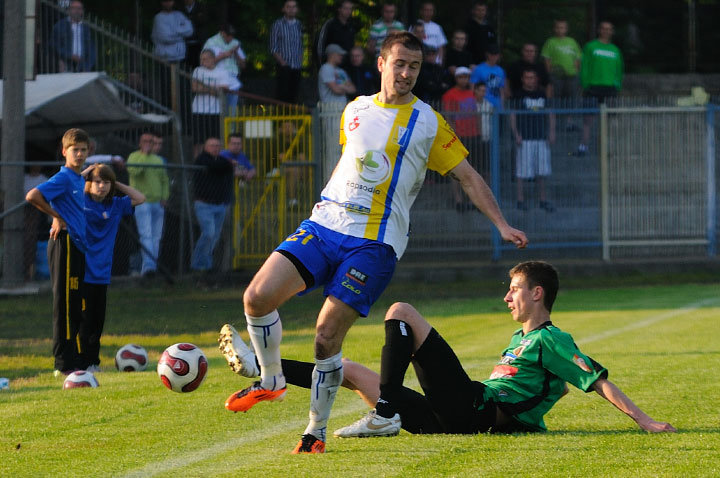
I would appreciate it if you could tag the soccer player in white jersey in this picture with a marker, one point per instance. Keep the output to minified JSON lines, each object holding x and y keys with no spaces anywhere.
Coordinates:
{"x":356,"y":233}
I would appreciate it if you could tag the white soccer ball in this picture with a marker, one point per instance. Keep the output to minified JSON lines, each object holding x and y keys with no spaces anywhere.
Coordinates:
{"x":131,"y":358}
{"x":80,"y":379}
{"x":182,"y":367}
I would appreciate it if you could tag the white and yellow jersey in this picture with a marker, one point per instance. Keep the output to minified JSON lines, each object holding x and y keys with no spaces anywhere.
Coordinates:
{"x":386,"y":151}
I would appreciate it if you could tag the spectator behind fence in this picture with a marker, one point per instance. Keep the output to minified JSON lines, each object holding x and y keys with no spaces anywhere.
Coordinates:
{"x":484,"y":111}
{"x":196,"y":13}
{"x":214,"y":188}
{"x":492,"y":74}
{"x":229,"y":55}
{"x":244,"y":170}
{"x":286,"y":46}
{"x":292,"y":149}
{"x":365,"y":78}
{"x":434,"y":34}
{"x":116,"y":161}
{"x":72,"y":42}
{"x":339,"y":30}
{"x":532,"y":133}
{"x":457,"y":55}
{"x":333,"y":82}
{"x":209,"y":83}
{"x":379,"y":30}
{"x":169,"y":31}
{"x":431,"y":81}
{"x":562,"y":54}
{"x":35,"y":229}
{"x":458,"y":104}
{"x":148,"y":176}
{"x":601,"y":74}
{"x":528,"y":60}
{"x":480,"y":33}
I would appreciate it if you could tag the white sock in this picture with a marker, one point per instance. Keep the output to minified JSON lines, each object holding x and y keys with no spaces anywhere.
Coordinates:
{"x":265,"y":335}
{"x":326,"y":379}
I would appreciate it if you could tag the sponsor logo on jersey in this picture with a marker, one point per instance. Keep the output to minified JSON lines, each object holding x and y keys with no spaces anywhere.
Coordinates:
{"x":350,"y":287}
{"x":509,"y":357}
{"x":354,"y":124}
{"x":373,"y":167}
{"x":525,"y":341}
{"x":580,"y":362}
{"x":362,"y":187}
{"x":358,"y":108}
{"x":450,"y":143}
{"x":356,"y":275}
{"x":503,"y":371}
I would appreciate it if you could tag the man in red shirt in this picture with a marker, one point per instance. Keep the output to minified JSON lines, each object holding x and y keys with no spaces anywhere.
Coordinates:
{"x":458,"y":105}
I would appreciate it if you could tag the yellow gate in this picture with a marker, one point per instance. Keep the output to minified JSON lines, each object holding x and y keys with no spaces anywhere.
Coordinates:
{"x":278,"y":142}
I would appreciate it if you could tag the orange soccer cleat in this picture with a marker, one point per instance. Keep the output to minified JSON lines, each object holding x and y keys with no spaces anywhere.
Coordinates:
{"x":245,"y":399}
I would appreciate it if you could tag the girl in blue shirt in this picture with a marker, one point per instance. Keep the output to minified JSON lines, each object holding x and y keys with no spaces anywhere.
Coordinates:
{"x":103,"y":212}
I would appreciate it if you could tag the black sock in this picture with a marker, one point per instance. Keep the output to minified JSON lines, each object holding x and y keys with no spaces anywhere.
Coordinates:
{"x":297,"y":373}
{"x":396,"y":355}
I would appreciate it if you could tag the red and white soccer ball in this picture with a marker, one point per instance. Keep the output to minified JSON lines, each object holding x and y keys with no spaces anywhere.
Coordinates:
{"x":182,"y":367}
{"x":131,"y":358}
{"x":80,"y":379}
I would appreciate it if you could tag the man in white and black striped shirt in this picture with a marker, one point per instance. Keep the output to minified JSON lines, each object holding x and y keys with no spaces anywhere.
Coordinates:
{"x":286,"y":46}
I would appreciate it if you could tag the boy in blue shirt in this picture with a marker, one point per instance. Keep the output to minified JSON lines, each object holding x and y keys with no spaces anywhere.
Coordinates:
{"x":63,"y":197}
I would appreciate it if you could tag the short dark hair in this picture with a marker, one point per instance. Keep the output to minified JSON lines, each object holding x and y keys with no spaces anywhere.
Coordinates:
{"x":74,"y":136}
{"x":228,"y":29}
{"x":235,"y":135}
{"x":406,"y":39}
{"x":479,"y":84}
{"x":539,"y":273}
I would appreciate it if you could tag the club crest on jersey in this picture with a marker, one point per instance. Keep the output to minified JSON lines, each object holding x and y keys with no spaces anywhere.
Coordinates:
{"x":401,"y":135}
{"x":356,"y":275}
{"x":354,"y":124}
{"x":373,"y":167}
{"x":580,"y":362}
{"x":518,"y":351}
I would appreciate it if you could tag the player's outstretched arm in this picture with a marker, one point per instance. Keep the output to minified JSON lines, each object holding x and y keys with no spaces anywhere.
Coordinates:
{"x":482,"y":197}
{"x":610,"y":392}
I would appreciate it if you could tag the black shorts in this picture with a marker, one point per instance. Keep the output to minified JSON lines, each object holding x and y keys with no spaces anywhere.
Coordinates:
{"x":452,"y":403}
{"x":596,"y":95}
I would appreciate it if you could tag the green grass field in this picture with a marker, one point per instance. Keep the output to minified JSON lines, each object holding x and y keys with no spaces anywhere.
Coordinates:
{"x":659,"y":343}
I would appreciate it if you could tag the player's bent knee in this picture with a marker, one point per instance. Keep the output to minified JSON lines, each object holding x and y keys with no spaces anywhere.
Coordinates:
{"x":402,"y":311}
{"x":256,"y":303}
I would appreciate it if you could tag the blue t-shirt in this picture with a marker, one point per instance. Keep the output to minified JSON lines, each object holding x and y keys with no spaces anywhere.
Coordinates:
{"x":103,"y":220}
{"x":64,"y":192}
{"x":241,"y":159}
{"x":494,"y":78}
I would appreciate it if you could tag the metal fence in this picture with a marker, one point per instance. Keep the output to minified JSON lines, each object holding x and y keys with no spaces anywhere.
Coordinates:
{"x":647,"y":187}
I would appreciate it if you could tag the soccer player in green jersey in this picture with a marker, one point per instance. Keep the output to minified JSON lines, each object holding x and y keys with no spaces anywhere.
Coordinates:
{"x":527,"y":381}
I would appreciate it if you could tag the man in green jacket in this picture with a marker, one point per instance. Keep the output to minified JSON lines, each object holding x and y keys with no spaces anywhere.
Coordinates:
{"x":601,"y":74}
{"x":147,"y":175}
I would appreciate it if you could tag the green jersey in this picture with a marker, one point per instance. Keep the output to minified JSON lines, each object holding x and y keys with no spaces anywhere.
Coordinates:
{"x":602,"y":65}
{"x":563,"y":54}
{"x":531,"y":374}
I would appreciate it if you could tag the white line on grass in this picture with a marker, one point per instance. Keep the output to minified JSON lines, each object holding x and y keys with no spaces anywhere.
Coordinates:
{"x":192,"y":457}
{"x":206,"y":453}
{"x":649,"y":321}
